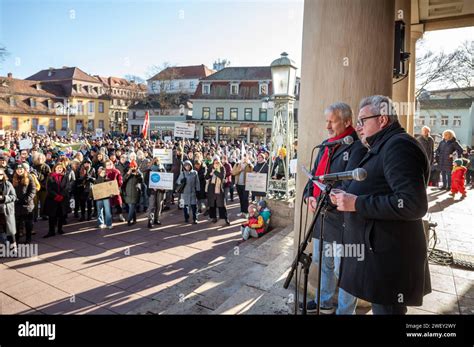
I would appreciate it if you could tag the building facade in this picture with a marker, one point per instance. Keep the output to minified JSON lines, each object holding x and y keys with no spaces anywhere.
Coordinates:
{"x":447,"y":109}
{"x":85,"y":99}
{"x":26,"y":104}
{"x":231,"y":105}
{"x":122,"y":94}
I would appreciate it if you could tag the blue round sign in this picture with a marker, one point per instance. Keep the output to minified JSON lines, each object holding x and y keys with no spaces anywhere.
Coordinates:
{"x":155,"y":178}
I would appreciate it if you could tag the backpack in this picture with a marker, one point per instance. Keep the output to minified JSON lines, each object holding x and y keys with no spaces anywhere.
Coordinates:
{"x":36,"y":182}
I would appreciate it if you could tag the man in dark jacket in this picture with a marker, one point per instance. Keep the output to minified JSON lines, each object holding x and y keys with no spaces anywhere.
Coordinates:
{"x":383,"y":214}
{"x":332,"y":159}
{"x":427,"y":143}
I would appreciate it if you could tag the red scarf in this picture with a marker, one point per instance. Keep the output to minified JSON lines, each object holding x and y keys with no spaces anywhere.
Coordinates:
{"x":58,"y":178}
{"x":323,"y":166}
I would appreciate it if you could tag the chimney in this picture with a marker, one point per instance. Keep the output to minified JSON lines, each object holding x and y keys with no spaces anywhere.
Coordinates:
{"x":50,"y":72}
{"x":10,"y":75}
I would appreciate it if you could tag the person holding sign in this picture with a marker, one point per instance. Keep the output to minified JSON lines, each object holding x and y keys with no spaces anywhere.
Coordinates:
{"x":215,"y":191}
{"x":155,"y":196}
{"x":103,"y":205}
{"x":260,"y":167}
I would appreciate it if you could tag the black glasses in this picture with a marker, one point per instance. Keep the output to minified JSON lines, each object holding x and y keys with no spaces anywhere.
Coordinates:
{"x":360,"y":122}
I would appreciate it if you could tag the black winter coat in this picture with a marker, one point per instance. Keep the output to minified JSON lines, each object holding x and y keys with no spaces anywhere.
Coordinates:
{"x":202,"y":172}
{"x":341,"y":157}
{"x":387,"y":223}
{"x":51,"y":206}
{"x":216,"y":200}
{"x":444,"y":151}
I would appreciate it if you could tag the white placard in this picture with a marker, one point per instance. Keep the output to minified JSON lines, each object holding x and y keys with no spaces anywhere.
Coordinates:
{"x":62,"y":133}
{"x":256,"y":182}
{"x":2,"y":132}
{"x":26,"y":144}
{"x":293,"y":166}
{"x":165,"y":155}
{"x":161,"y":180}
{"x":41,"y":130}
{"x":99,"y":133}
{"x":185,"y":130}
{"x":167,"y":138}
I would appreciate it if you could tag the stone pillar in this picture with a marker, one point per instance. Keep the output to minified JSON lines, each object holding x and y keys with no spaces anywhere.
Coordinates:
{"x":400,"y":86}
{"x":416,"y":32}
{"x":217,"y":133}
{"x":347,"y":55}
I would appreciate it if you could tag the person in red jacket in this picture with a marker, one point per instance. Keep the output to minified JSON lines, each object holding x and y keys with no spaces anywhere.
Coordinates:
{"x":458,"y":176}
{"x":114,"y":174}
{"x":255,"y":225}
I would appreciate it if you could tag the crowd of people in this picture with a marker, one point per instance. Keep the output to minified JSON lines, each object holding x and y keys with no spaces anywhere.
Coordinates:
{"x":53,"y":179}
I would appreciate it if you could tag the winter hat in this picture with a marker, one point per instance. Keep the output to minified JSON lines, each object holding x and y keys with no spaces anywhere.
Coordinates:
{"x":458,"y":162}
{"x":262,"y":204}
{"x":187,"y":162}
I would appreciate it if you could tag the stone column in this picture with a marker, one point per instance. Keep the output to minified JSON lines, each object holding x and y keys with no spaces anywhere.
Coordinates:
{"x":347,"y":55}
{"x":400,"y":86}
{"x":416,"y":33}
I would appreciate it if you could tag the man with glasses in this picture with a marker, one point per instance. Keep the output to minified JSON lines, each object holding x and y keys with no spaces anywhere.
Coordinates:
{"x":383,"y":214}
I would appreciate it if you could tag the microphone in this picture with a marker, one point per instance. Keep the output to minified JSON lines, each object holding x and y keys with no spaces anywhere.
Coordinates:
{"x":358,"y":174}
{"x":348,"y":140}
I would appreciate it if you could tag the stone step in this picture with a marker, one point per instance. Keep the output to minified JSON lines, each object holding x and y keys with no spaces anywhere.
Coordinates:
{"x":208,"y":288}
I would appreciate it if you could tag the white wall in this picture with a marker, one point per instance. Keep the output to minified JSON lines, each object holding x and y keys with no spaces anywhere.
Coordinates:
{"x":187,"y":89}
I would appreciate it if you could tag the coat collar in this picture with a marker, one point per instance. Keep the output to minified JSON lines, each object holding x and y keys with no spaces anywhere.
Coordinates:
{"x":377,"y":140}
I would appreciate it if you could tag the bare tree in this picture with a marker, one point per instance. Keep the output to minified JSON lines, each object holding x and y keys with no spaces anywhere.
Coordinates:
{"x":445,"y":70}
{"x":134,"y":78}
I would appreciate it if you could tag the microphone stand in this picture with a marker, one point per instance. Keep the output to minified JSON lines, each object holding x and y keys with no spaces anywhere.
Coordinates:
{"x":304,"y":258}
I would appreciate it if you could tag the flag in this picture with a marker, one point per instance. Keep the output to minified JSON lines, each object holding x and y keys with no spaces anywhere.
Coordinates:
{"x":242,"y":151}
{"x":146,"y":125}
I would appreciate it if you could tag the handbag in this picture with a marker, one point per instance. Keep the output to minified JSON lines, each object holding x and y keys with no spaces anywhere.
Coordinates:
{"x":181,"y":186}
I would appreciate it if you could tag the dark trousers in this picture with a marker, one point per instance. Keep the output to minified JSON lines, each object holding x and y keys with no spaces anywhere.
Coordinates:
{"x":132,"y":213}
{"x":244,"y":198}
{"x":155,"y":203}
{"x":222,"y":212}
{"x":389,"y":309}
{"x":56,"y":221}
{"x":446,"y":177}
{"x":27,"y":221}
{"x":83,"y":203}
{"x":470,"y":176}
{"x":186,"y":212}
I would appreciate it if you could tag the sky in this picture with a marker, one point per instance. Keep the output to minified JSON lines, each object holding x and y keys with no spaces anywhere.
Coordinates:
{"x":120,"y":37}
{"x":115,"y":38}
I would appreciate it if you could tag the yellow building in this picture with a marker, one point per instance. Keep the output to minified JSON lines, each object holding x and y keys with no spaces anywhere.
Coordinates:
{"x":25,"y":104}
{"x":85,"y":99}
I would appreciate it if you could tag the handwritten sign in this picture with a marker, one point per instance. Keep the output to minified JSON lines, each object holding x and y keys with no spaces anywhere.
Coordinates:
{"x":26,"y":144}
{"x":256,"y":182}
{"x":184,"y":130}
{"x":161,"y":180}
{"x":105,"y":190}
{"x":165,"y":155}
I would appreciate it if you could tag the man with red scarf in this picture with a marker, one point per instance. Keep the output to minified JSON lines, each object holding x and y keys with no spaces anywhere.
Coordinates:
{"x":333,"y":159}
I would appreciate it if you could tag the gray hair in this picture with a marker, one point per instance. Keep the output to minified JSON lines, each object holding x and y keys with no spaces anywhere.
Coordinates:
{"x":340,"y":108}
{"x":380,"y":105}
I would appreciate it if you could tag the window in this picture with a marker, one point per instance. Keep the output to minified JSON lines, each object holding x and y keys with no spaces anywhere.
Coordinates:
{"x":206,"y":89}
{"x":90,"y":124}
{"x":248,"y":114}
{"x":34,"y":124}
{"x":457,"y":121}
{"x":219,"y":113}
{"x":206,"y":113}
{"x":421,"y":120}
{"x":444,"y":120}
{"x":80,"y":107}
{"x":432,"y":120}
{"x":171,"y":85}
{"x":32,"y":102}
{"x":191,"y":84}
{"x":52,"y":124}
{"x":12,"y":102}
{"x":50,"y":104}
{"x":14,"y":123}
{"x":297,"y":88}
{"x":234,"y":113}
{"x":101,"y":107}
{"x":234,"y":88}
{"x":134,"y":115}
{"x":263,"y":89}
{"x":63,"y":124}
{"x":101,"y":124}
{"x":181,"y":85}
{"x":91,"y":106}
{"x":262,"y":115}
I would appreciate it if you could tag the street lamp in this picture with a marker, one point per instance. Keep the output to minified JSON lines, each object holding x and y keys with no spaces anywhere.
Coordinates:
{"x":282,"y":184}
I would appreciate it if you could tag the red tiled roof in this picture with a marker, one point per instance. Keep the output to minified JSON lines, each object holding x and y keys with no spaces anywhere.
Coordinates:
{"x":183,"y":72}
{"x":66,"y":73}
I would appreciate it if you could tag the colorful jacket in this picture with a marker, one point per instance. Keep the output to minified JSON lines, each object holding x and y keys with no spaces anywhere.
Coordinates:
{"x":257,"y":223}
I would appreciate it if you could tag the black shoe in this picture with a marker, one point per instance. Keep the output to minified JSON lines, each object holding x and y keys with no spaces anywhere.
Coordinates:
{"x":157,"y":222}
{"x":214,"y":220}
{"x":49,"y":235}
{"x":311,"y":307}
{"x":227,"y":222}
{"x":150,"y":225}
{"x":76,"y":215}
{"x":195,"y":222}
{"x":60,"y":232}
{"x":129,"y":223}
{"x":44,"y":217}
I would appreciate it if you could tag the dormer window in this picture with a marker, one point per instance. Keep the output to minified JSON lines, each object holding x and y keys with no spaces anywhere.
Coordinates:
{"x":38,"y":86}
{"x":32,"y":102}
{"x":12,"y":101}
{"x":263,"y":88}
{"x":50,"y":104}
{"x":234,"y":89}
{"x":206,"y":89}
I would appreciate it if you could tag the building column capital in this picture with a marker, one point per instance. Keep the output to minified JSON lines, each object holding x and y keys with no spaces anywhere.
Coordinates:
{"x":416,"y":31}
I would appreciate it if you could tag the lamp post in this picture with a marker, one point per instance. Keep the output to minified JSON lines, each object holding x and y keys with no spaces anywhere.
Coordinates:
{"x":282,"y":184}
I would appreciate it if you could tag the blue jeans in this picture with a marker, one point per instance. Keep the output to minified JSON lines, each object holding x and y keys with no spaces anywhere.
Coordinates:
{"x":103,"y":206}
{"x":186,"y":212}
{"x":329,"y":277}
{"x":389,"y":309}
{"x":132,"y":215}
{"x":446,"y":177}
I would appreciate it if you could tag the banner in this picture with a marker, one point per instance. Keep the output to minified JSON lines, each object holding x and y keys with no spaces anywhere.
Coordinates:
{"x":99,"y":133}
{"x":256,"y":182}
{"x":105,"y":190}
{"x":165,"y":155}
{"x":41,"y":130}
{"x":184,"y":130}
{"x":161,"y":180}
{"x":26,"y":144}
